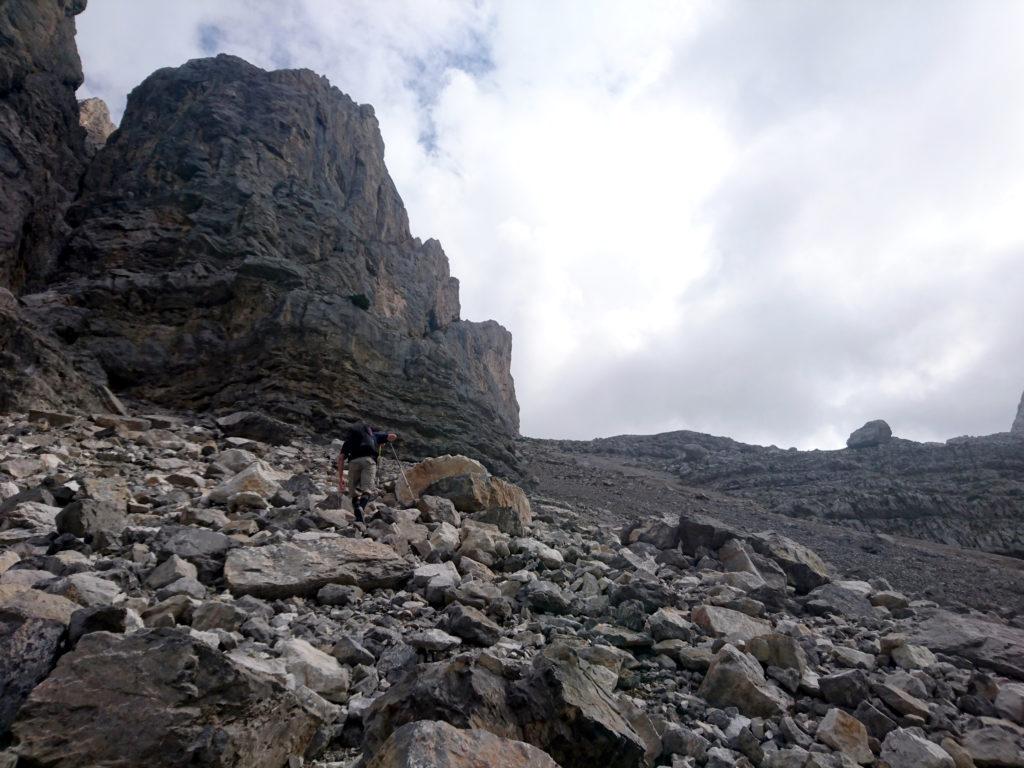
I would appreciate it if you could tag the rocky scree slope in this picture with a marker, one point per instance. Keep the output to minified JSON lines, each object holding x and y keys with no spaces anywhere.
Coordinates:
{"x":238,"y":242}
{"x":172,"y":595}
{"x":967,"y":492}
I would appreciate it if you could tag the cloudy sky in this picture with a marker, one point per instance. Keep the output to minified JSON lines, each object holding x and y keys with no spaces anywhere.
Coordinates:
{"x":772,"y":220}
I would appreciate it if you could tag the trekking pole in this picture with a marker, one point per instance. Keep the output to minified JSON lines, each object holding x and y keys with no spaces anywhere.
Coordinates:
{"x":401,"y":468}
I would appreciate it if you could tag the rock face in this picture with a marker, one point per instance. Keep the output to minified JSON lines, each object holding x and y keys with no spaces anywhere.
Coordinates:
{"x":95,"y":119}
{"x":872,"y":434}
{"x":239,"y":243}
{"x":43,"y":152}
{"x":159,"y":698}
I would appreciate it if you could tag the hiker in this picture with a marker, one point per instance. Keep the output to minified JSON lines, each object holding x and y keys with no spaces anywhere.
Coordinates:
{"x":361,"y":447}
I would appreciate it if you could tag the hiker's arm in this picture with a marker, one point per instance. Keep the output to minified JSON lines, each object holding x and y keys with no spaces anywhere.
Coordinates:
{"x":341,"y":473}
{"x":382,"y":436}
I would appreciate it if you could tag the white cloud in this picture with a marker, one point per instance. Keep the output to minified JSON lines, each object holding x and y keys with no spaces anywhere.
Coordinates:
{"x":772,"y":221}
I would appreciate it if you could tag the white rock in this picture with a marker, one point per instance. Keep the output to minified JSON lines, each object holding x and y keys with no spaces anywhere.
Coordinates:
{"x":315,"y":669}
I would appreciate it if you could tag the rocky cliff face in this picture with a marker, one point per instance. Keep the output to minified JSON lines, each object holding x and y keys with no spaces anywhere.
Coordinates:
{"x":94,"y":117}
{"x":41,"y":143}
{"x":968,"y":492}
{"x":1018,"y":423}
{"x":239,"y":243}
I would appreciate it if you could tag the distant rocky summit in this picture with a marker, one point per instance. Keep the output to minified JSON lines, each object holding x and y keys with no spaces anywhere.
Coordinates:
{"x":1018,"y":423}
{"x":237,"y":243}
{"x":94,"y":117}
{"x":968,"y":491}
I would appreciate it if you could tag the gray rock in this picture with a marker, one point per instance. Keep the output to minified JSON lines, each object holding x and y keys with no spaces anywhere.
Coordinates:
{"x":33,"y":626}
{"x":872,"y":434}
{"x":94,"y":117}
{"x":302,"y":567}
{"x":989,"y":645}
{"x":471,"y":625}
{"x":846,"y":689}
{"x":904,"y":749}
{"x":995,"y":746}
{"x":197,"y":707}
{"x":170,"y":570}
{"x":450,"y":747}
{"x":98,"y":521}
{"x":670,"y":624}
{"x":735,"y":679}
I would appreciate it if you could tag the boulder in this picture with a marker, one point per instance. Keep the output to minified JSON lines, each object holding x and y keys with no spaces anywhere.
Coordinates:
{"x":472,"y":625}
{"x":905,"y":749}
{"x":159,"y":698}
{"x":842,"y":598}
{"x":433,"y":640}
{"x":804,"y":569}
{"x":735,"y":679}
{"x":845,"y":734}
{"x":995,"y":746}
{"x":1010,"y":702}
{"x":871,"y":435}
{"x":170,"y":570}
{"x":997,"y":647}
{"x":33,"y":626}
{"x":734,"y":626}
{"x":670,"y":624}
{"x":314,"y":669}
{"x":256,"y":478}
{"x":302,"y":567}
{"x":450,"y":747}
{"x":465,"y":482}
{"x":775,"y":650}
{"x":98,"y":521}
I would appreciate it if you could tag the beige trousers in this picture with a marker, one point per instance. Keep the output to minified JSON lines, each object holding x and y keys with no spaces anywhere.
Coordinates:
{"x":362,"y":476}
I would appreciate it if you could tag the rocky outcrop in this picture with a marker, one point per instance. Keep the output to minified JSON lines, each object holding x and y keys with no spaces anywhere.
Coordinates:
{"x":1018,"y":423}
{"x":239,"y":243}
{"x":94,"y":117}
{"x":41,"y":142}
{"x":967,"y":492}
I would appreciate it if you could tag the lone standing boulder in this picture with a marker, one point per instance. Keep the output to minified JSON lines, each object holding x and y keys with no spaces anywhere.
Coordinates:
{"x":872,"y":434}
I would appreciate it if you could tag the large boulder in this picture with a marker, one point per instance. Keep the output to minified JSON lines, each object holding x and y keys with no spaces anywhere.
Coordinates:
{"x":448,"y":747}
{"x":465,"y":482}
{"x":303,"y":566}
{"x":33,"y":626}
{"x":804,"y":569}
{"x":556,"y":706}
{"x":734,"y":626}
{"x":871,"y":435}
{"x":100,"y":522}
{"x":735,"y":679}
{"x":997,"y":647}
{"x":159,"y":698}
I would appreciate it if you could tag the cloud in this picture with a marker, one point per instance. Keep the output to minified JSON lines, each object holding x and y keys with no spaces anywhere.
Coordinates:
{"x":772,"y":221}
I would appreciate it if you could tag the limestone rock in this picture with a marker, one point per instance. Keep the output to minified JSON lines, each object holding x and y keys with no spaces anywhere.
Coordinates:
{"x":736,"y":679}
{"x":97,"y":521}
{"x":990,"y":645}
{"x":315,"y":669}
{"x":302,"y":567}
{"x":845,"y":734}
{"x":94,"y":117}
{"x":466,"y":483}
{"x":159,"y":698}
{"x":450,"y":747}
{"x":903,"y":749}
{"x":730,"y":624}
{"x":256,"y":478}
{"x":995,"y":746}
{"x":872,"y":434}
{"x":1017,"y":428}
{"x":33,"y":625}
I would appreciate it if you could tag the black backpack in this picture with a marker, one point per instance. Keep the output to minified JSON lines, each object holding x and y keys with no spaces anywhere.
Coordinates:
{"x":359,"y":441}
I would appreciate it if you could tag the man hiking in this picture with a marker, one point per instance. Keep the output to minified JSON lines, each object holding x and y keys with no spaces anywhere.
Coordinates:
{"x":361,"y":448}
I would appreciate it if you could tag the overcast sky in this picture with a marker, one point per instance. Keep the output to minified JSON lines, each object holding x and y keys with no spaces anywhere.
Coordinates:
{"x":770,"y":220}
